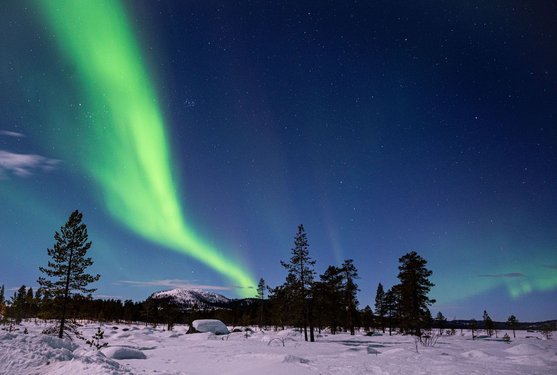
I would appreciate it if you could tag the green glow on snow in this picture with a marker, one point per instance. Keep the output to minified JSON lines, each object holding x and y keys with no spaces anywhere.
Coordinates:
{"x":127,"y":151}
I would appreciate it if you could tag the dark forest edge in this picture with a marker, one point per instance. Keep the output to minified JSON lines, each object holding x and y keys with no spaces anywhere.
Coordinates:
{"x":26,"y":306}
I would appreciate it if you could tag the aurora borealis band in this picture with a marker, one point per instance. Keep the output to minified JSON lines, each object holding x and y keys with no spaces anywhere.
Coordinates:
{"x":196,"y":136}
{"x":132,"y":164}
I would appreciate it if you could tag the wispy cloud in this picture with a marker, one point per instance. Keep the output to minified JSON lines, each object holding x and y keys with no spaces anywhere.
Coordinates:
{"x":10,"y":133}
{"x":175,"y":283}
{"x":510,"y":275}
{"x":551,"y":266}
{"x":23,"y":165}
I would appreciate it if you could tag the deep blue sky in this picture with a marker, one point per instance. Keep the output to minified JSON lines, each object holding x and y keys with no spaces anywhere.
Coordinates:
{"x":383,"y":127}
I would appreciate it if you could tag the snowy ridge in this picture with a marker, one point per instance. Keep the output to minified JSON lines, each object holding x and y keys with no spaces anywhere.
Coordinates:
{"x":190,"y":298}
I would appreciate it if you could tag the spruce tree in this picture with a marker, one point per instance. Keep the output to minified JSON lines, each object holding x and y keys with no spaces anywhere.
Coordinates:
{"x":440,"y":320}
{"x":367,"y":318}
{"x":261,"y":296}
{"x":380,"y":306}
{"x":350,"y":273}
{"x":414,"y":288}
{"x":473,"y":328}
{"x":392,"y":302}
{"x":2,"y":301}
{"x":17,"y":308}
{"x":512,"y":322}
{"x":29,"y":309}
{"x":488,"y":324}
{"x":300,"y":269}
{"x":328,"y":296}
{"x":281,"y":300}
{"x":66,"y":271}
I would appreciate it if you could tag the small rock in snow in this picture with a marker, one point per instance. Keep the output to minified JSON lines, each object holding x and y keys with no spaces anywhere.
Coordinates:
{"x":210,"y":325}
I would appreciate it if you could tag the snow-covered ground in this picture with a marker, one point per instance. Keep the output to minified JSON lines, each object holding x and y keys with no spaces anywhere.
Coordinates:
{"x":136,"y":349}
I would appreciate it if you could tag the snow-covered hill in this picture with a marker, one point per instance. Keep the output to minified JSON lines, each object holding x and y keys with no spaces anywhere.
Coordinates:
{"x":194,"y":298}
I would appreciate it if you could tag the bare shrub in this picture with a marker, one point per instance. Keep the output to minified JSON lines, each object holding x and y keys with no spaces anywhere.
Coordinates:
{"x":428,"y":338}
{"x":281,"y":340}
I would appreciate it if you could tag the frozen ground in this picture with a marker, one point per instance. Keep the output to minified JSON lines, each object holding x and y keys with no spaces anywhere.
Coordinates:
{"x":136,"y":349}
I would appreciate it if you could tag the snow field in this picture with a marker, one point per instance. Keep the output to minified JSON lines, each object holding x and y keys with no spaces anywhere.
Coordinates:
{"x":136,"y":349}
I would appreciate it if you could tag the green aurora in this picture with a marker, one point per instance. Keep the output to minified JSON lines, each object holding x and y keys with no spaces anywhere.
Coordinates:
{"x":133,"y":166}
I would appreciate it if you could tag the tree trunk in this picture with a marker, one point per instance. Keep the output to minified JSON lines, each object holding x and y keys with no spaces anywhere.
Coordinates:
{"x":66,"y":294}
{"x":390,"y":325}
{"x":311,"y":336}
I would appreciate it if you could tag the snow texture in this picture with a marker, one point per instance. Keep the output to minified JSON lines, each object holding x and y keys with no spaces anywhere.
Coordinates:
{"x":148,"y":350}
{"x":124,"y":353}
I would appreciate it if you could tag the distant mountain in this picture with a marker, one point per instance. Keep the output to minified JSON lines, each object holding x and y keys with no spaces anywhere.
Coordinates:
{"x":189,"y":299}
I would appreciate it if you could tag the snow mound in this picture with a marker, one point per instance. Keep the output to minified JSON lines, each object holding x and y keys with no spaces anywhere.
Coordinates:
{"x":210,"y":325}
{"x":475,"y":354}
{"x":124,"y":353}
{"x":294,"y":359}
{"x":524,"y":349}
{"x":35,"y":353}
{"x":57,"y":343}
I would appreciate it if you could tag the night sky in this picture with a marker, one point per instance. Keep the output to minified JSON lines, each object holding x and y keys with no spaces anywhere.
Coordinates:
{"x":195,"y":136}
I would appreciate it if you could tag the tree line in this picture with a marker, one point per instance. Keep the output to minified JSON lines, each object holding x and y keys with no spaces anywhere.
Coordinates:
{"x":331,"y":300}
{"x":304,"y":300}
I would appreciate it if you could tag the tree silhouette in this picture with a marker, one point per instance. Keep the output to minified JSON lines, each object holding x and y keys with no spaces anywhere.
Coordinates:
{"x":380,"y":305}
{"x":392,"y":302}
{"x":328,"y":298}
{"x":473,"y":327}
{"x":414,"y":287}
{"x":350,"y":273}
{"x":300,"y":269}
{"x":2,"y":300}
{"x":261,"y":296}
{"x":66,"y":270}
{"x":488,"y":324}
{"x":440,"y":320}
{"x":512,"y":322}
{"x":17,"y":308}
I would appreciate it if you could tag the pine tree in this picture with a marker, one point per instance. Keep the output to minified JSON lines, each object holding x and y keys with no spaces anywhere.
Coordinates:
{"x":66,"y":270}
{"x":512,"y":322}
{"x":473,"y":327}
{"x":488,"y":324}
{"x":300,"y":268}
{"x":261,"y":296}
{"x":392,"y":302}
{"x":281,"y":300}
{"x":350,"y":273}
{"x":380,"y":306}
{"x":29,"y":309}
{"x":328,"y":297}
{"x":367,"y":318}
{"x":414,"y":287}
{"x":2,"y":301}
{"x":440,"y":320}
{"x":17,"y":308}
